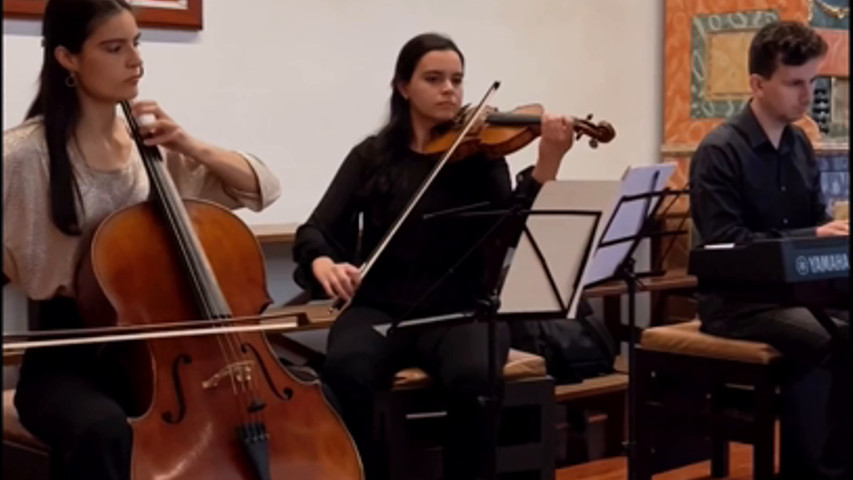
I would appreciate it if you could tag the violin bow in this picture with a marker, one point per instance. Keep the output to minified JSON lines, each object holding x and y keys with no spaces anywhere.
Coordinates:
{"x":365,"y":267}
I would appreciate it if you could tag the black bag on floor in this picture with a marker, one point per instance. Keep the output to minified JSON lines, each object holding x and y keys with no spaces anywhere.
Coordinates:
{"x":573,"y":349}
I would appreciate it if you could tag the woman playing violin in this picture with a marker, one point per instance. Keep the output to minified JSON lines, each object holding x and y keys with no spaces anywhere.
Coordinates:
{"x":375,"y":182}
{"x":68,"y":166}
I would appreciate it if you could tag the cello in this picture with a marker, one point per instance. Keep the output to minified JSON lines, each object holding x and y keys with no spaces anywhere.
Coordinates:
{"x":217,"y":407}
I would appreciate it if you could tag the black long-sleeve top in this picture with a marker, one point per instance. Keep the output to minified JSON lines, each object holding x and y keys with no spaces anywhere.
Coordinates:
{"x":423,"y":249}
{"x":742,"y":189}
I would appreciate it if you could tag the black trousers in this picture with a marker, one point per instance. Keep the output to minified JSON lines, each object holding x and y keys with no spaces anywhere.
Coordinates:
{"x":361,"y":361}
{"x":815,"y":416}
{"x":72,"y":398}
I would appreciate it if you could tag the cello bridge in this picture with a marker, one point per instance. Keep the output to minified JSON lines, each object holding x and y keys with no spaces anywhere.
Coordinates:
{"x":241,"y":372}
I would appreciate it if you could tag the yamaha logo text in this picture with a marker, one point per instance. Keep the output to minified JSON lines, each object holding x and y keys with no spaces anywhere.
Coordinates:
{"x":820,"y":264}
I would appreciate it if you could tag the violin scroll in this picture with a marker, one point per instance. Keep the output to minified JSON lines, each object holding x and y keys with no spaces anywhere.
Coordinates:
{"x":603,"y":132}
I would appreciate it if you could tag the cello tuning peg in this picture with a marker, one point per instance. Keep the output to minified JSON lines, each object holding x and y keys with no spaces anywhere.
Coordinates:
{"x":146,"y":119}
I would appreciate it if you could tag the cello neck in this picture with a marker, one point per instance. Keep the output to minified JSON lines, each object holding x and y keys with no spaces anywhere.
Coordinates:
{"x":209,"y":298}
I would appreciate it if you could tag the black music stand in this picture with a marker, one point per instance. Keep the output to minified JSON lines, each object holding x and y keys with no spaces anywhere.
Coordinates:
{"x":649,"y":203}
{"x":543,"y":225}
{"x":613,"y":247}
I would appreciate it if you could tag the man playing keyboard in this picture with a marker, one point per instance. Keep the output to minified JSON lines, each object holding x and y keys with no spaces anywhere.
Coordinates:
{"x":755,"y":177}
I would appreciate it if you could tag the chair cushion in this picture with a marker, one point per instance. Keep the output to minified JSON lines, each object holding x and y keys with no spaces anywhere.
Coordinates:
{"x":13,"y":431}
{"x":592,"y":387}
{"x":518,"y":365}
{"x":686,"y":339}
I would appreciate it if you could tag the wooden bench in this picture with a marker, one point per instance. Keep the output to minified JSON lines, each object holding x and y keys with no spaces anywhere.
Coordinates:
{"x":409,"y":422}
{"x":602,"y":401}
{"x":697,"y":392}
{"x":592,"y":388}
{"x":24,"y":457}
{"x":272,"y":233}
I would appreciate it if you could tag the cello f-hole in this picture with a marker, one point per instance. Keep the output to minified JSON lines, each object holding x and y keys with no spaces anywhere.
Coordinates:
{"x":287,"y":393}
{"x":169,"y":417}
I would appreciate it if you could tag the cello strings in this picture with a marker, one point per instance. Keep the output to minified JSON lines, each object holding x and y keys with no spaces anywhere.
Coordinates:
{"x":152,"y":161}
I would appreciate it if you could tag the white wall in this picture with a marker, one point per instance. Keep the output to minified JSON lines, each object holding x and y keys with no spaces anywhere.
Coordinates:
{"x":299,"y":82}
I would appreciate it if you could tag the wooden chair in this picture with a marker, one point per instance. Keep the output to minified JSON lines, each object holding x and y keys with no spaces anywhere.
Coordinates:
{"x":691,"y":385}
{"x":24,"y":457}
{"x":409,"y":418}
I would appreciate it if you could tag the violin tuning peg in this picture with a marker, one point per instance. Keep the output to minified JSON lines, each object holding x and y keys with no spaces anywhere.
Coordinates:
{"x":589,"y":117}
{"x":578,"y":136}
{"x":593,"y":143}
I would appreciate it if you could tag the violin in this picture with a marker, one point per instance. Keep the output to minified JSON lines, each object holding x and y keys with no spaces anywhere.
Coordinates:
{"x":500,"y":134}
{"x":503,"y":133}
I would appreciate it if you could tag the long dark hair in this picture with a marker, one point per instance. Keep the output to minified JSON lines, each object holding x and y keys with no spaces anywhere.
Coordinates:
{"x":67,"y":23}
{"x":395,"y":136}
{"x":397,"y":133}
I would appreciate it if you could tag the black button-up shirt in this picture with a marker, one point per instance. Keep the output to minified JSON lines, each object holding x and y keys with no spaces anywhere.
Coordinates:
{"x":742,"y":188}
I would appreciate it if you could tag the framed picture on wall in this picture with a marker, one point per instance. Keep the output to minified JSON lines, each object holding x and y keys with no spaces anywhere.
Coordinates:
{"x":177,"y":14}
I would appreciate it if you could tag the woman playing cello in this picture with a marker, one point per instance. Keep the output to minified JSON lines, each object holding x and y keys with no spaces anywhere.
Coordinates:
{"x":68,"y":166}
